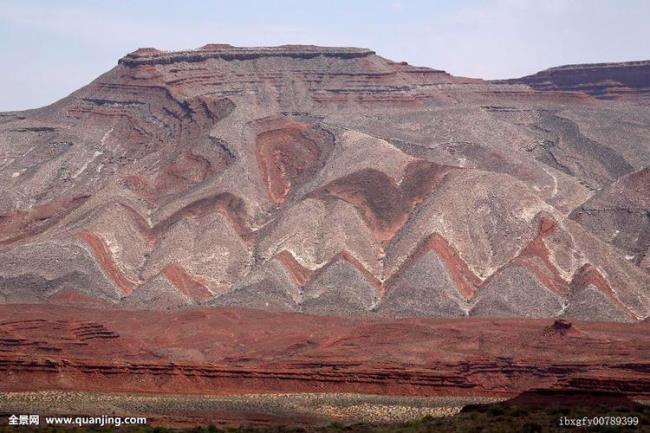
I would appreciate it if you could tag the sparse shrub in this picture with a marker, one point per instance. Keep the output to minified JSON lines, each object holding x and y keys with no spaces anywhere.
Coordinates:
{"x":559,"y":410}
{"x":531,"y":427}
{"x":519,"y":412}
{"x":495,"y":411}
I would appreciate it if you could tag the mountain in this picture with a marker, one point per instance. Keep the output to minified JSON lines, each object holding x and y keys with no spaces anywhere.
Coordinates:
{"x":332,"y":181}
{"x":630,"y":80}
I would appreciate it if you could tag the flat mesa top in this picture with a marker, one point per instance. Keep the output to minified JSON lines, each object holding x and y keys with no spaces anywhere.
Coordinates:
{"x":595,"y":66}
{"x":228,"y":52}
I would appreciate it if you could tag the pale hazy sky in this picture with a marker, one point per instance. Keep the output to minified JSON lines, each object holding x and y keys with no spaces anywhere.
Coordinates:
{"x":50,"y":48}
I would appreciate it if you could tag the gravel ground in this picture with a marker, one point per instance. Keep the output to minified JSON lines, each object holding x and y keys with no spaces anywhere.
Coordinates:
{"x":317,"y":407}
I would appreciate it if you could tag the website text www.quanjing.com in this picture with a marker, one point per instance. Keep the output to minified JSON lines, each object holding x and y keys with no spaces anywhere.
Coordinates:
{"x":99,"y":421}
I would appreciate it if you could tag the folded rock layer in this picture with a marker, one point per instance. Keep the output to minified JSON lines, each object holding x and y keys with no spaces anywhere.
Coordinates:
{"x":331,"y":181}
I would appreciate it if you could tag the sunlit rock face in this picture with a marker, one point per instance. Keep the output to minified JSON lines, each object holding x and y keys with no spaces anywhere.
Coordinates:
{"x":332,"y":181}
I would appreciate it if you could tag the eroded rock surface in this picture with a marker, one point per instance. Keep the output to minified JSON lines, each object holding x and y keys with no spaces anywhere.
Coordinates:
{"x":332,"y":181}
{"x":238,"y":351}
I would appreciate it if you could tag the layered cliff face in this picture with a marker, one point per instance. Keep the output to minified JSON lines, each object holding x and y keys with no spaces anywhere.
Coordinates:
{"x":236,"y":351}
{"x":629,"y":80}
{"x":328,"y":181}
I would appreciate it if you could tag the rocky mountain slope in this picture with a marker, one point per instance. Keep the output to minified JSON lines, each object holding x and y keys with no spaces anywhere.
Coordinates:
{"x":331,"y":181}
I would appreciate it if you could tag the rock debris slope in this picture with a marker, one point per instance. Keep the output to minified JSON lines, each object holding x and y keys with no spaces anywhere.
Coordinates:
{"x":332,"y":181}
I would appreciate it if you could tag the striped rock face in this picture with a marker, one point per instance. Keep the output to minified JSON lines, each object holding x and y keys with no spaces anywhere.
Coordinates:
{"x":332,"y":181}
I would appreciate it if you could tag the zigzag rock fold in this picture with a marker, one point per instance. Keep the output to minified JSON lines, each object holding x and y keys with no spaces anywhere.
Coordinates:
{"x":332,"y":181}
